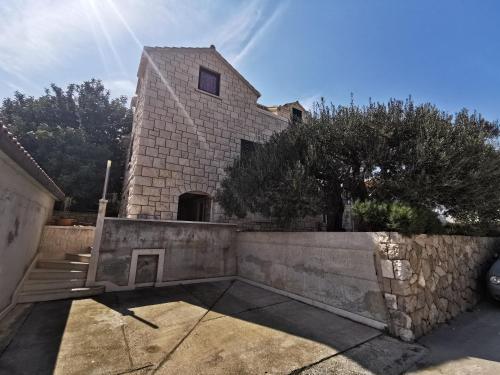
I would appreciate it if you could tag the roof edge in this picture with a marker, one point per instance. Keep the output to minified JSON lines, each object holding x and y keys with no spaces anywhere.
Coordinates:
{"x":14,"y":150}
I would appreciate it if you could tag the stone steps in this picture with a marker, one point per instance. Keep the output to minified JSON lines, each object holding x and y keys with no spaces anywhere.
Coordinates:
{"x":55,"y":274}
{"x":68,"y":265}
{"x":54,"y":279}
{"x":55,"y":294}
{"x":33,"y":285}
{"x":83,"y":257}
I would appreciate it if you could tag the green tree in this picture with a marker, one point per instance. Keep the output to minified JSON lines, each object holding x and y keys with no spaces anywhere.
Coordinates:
{"x":71,"y":133}
{"x":394,"y":152}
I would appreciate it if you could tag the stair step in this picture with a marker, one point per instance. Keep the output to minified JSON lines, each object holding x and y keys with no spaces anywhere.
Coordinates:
{"x":55,"y":274}
{"x":83,"y":257}
{"x":55,"y":294}
{"x":62,"y":265}
{"x":32,"y":285}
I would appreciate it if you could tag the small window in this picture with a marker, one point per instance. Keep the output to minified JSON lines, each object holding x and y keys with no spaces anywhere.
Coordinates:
{"x":296,"y":115}
{"x":247,"y":149}
{"x":209,"y":81}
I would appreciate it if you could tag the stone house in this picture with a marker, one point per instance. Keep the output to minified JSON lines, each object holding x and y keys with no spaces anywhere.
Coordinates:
{"x":194,"y":114}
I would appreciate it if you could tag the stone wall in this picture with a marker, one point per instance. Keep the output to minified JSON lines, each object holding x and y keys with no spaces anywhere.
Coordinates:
{"x":182,"y":137}
{"x":182,"y":250}
{"x":428,"y":280}
{"x":56,"y":241}
{"x":335,"y":269}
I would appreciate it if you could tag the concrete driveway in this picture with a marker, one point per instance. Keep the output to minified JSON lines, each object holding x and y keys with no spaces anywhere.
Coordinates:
{"x":468,"y":345}
{"x":211,"y":328}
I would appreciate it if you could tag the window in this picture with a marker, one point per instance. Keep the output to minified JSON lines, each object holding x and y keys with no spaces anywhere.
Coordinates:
{"x":247,"y":149}
{"x":193,"y":207}
{"x":209,"y":81}
{"x":296,"y":115}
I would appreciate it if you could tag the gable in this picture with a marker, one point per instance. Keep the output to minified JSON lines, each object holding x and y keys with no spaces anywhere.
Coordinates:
{"x":148,"y":51}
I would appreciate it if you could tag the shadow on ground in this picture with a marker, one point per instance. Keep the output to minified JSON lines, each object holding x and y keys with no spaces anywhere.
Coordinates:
{"x":210,"y":328}
{"x":469,"y":344}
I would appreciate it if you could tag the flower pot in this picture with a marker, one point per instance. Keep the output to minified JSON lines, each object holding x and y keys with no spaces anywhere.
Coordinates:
{"x":65,"y":222}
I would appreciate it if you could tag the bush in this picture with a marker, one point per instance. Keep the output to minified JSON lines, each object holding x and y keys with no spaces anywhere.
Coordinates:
{"x":395,"y":216}
{"x":371,"y":216}
{"x":406,"y":219}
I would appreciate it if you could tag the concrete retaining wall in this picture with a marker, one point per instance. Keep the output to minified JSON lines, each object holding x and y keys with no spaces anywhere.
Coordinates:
{"x":428,"y":280}
{"x":337,"y":269}
{"x":409,"y":284}
{"x":58,"y":240}
{"x":188,"y":250}
{"x":25,"y":206}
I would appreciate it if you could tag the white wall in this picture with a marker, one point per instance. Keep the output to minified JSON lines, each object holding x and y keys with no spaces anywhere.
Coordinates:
{"x":56,"y":241}
{"x":24,"y":209}
{"x":334,"y":268}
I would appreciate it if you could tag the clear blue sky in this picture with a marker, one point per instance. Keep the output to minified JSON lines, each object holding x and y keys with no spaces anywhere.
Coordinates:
{"x":445,"y":52}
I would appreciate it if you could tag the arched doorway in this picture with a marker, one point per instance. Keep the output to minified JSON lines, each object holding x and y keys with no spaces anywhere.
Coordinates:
{"x":193,"y":207}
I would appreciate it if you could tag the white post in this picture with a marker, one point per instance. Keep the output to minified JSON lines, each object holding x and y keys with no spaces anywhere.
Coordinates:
{"x":108,"y":167}
{"x":94,"y":255}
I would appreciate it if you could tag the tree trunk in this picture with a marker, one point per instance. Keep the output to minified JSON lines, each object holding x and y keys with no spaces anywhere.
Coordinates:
{"x":335,"y":210}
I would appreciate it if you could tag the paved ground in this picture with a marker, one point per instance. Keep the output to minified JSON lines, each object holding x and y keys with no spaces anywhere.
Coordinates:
{"x":212,"y":328}
{"x":470,"y":344}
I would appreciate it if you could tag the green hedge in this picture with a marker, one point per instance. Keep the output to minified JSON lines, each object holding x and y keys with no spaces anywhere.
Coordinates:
{"x":395,"y":216}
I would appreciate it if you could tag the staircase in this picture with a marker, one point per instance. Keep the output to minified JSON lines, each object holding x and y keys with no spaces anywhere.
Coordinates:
{"x":59,"y":279}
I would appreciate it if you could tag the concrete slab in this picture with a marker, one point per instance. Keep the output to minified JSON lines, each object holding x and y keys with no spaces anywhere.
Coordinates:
{"x":153,"y":330}
{"x":276,"y":339}
{"x":469,"y":345}
{"x":162,"y":330}
{"x":383,"y":355}
{"x":208,"y":293}
{"x":242,"y":297}
{"x":11,"y":323}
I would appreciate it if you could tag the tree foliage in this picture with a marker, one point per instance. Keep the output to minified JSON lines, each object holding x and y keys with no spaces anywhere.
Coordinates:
{"x":71,"y":133}
{"x":394,"y":152}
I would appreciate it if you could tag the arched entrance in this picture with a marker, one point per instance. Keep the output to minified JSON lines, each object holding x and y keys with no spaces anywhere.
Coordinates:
{"x":193,"y":207}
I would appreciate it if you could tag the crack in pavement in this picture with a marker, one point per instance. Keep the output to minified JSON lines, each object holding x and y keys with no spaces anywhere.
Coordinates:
{"x":134,"y":369}
{"x":167,"y":357}
{"x":306,"y":367}
{"x":245,"y":311}
{"x":127,"y":346}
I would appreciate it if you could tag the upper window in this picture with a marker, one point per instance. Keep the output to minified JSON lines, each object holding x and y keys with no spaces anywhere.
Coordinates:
{"x":247,"y":149}
{"x":209,"y":81}
{"x":296,"y":115}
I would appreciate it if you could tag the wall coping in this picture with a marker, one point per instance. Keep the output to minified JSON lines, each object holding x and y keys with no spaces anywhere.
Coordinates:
{"x":174,"y":222}
{"x":391,"y":234}
{"x":16,"y":152}
{"x":71,"y":227}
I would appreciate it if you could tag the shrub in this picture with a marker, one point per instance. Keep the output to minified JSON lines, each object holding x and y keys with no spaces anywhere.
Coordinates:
{"x":395,"y":216}
{"x":405,"y":219}
{"x":371,"y":215}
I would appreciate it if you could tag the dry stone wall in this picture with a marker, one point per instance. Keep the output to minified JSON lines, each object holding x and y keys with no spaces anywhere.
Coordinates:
{"x":427,"y":280}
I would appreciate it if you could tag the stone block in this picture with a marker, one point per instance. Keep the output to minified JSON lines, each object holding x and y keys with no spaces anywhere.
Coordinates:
{"x":401,"y":288}
{"x":401,"y":319}
{"x":406,"y":334}
{"x":402,"y":269}
{"x":391,"y":301}
{"x":396,"y":251}
{"x":387,"y":270}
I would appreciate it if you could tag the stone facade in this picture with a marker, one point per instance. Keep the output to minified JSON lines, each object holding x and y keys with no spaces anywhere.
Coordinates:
{"x":428,"y":280}
{"x":183,"y":137}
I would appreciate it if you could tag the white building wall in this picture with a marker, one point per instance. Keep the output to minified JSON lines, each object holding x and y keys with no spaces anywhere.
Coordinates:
{"x":25,"y":207}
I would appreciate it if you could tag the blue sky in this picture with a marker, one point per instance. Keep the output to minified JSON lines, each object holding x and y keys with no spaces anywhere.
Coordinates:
{"x":445,"y":52}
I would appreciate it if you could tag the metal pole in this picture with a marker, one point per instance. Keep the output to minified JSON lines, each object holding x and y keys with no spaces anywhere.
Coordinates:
{"x":108,"y":167}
